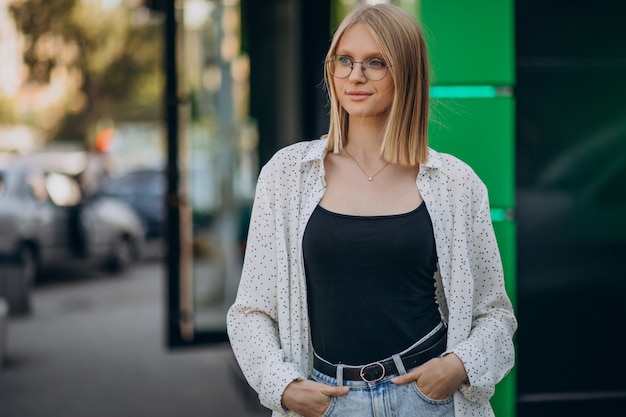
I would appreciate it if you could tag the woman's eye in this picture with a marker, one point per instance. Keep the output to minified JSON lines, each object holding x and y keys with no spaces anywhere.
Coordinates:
{"x":376,"y":63}
{"x":344,"y":60}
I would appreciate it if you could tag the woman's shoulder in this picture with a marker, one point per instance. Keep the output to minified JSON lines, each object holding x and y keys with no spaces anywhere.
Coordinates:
{"x":454,"y":168}
{"x":301,"y":148}
{"x":293,"y":155}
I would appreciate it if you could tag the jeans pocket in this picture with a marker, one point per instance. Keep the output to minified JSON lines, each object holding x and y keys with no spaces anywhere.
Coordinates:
{"x":429,"y":400}
{"x":333,"y":399}
{"x":330,"y":407}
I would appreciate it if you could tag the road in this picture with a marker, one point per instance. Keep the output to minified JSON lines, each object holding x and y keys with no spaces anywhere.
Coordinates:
{"x":94,"y":347}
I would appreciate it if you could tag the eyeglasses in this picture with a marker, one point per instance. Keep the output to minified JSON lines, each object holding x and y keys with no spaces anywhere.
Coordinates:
{"x":374,"y":69}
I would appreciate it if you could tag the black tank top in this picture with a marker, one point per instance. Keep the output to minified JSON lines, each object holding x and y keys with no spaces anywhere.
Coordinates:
{"x":370,"y":283}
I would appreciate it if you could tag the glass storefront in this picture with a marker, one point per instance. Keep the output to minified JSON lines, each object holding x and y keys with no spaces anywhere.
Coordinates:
{"x":217,"y":156}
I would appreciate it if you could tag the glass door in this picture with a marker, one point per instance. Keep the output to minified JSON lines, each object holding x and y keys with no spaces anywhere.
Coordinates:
{"x":212,"y":167}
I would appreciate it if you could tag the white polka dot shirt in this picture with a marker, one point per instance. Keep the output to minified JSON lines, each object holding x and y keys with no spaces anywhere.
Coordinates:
{"x":268,"y":323}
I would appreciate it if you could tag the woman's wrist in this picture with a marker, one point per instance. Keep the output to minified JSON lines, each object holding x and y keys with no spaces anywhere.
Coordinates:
{"x":456,"y":367}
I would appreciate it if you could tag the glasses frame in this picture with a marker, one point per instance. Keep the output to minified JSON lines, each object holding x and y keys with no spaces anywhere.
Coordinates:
{"x":352,"y":62}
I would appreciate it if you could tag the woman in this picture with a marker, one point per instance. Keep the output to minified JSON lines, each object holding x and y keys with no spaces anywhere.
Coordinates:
{"x":372,"y":283}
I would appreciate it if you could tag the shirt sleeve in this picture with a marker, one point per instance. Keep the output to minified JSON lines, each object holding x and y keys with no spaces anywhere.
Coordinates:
{"x":252,"y":321}
{"x":488,"y":353}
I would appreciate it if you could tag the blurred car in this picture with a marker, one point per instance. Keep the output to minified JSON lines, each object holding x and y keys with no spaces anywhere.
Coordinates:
{"x":144,"y":190}
{"x":48,"y":219}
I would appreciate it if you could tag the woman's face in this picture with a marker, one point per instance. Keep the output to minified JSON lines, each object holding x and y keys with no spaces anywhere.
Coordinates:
{"x":359,"y":96}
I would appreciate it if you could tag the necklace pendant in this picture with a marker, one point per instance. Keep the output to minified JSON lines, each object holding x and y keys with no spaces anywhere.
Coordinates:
{"x":369,"y":178}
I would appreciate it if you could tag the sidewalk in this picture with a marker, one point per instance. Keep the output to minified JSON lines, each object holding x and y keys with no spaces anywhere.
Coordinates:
{"x":95,"y":348}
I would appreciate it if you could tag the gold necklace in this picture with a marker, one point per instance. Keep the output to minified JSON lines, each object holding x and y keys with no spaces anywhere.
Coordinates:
{"x":369,"y":177}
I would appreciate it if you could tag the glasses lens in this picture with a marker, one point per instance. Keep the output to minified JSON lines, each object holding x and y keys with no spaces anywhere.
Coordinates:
{"x":340,"y":67}
{"x":374,"y":69}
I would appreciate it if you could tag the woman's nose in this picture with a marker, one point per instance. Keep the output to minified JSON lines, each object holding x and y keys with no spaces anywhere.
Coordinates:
{"x":357,"y":72}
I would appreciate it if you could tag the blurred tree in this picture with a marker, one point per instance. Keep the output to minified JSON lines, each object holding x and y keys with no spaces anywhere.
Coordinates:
{"x":105,"y":59}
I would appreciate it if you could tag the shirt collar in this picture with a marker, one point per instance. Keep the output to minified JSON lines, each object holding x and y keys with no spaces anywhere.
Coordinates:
{"x":317,"y":150}
{"x":434,"y":159}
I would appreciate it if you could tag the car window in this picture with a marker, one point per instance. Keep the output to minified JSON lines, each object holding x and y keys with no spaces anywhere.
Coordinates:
{"x":36,"y":183}
{"x":144,"y":183}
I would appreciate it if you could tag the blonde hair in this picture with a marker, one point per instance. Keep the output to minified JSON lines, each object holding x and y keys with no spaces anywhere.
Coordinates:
{"x":402,"y":45}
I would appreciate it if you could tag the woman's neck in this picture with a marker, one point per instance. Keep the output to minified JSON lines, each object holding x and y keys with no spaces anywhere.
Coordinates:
{"x":365,"y":136}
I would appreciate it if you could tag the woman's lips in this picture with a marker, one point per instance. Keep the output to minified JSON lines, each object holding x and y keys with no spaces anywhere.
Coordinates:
{"x":358,"y":95}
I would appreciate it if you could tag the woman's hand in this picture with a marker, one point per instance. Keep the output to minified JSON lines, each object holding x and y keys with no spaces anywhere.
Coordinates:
{"x":310,"y":398}
{"x":439,"y":378}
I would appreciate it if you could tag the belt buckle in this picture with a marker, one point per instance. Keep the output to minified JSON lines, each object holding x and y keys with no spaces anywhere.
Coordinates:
{"x":372,"y":366}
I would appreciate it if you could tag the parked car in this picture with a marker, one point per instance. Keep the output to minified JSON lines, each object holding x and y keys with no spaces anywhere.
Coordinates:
{"x":144,"y":190}
{"x":47,"y":219}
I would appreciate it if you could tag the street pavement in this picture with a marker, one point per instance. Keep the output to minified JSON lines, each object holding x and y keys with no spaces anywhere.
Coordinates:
{"x":94,"y":346}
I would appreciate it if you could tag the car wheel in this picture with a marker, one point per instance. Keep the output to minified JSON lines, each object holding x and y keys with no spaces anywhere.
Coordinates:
{"x":122,"y":255}
{"x":20,"y":278}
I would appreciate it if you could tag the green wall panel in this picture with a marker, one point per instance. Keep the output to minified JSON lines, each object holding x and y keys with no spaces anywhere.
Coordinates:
{"x":470,"y":41}
{"x":471,"y":45}
{"x":503,"y":401}
{"x":480,"y":132}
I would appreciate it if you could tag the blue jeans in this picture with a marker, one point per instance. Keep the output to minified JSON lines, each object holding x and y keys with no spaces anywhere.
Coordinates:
{"x":383,"y":399}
